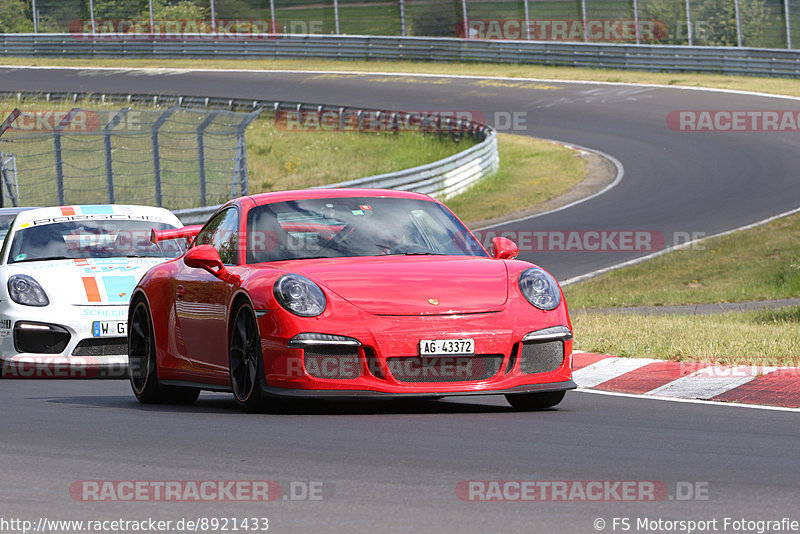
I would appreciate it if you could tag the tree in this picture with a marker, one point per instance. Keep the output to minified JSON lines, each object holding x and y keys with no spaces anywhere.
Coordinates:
{"x":182,"y":10}
{"x":15,"y":17}
{"x":713,"y":21}
{"x":721,"y":21}
{"x":436,"y":20}
{"x":119,"y":9}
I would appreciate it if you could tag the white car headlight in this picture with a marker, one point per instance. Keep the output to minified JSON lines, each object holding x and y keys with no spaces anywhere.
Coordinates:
{"x":540,"y":288}
{"x":25,"y":290}
{"x":299,"y":295}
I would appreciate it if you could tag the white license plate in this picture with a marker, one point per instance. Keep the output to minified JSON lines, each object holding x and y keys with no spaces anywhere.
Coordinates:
{"x":109,"y":328}
{"x":446,"y":347}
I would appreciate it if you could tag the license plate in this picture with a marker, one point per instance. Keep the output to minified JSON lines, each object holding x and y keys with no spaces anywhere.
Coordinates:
{"x":109,"y":328}
{"x":446,"y":347}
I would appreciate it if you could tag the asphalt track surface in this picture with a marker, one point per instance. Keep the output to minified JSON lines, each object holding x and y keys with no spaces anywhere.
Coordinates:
{"x":394,"y":466}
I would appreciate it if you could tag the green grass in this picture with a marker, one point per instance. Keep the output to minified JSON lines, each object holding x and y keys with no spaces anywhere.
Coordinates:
{"x":295,"y":160}
{"x":531,"y":173}
{"x":763,"y":337}
{"x":757,"y":264}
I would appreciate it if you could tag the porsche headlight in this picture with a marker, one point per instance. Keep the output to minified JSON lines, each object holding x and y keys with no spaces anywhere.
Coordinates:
{"x":25,"y":290}
{"x":540,"y":288}
{"x":299,"y":295}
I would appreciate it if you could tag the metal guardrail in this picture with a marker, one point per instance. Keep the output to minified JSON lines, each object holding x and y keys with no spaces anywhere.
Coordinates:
{"x":725,"y":60}
{"x":195,"y":156}
{"x":443,"y":179}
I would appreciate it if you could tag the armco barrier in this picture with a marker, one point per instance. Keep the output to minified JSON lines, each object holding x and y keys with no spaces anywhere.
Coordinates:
{"x":442,"y":179}
{"x":725,"y":60}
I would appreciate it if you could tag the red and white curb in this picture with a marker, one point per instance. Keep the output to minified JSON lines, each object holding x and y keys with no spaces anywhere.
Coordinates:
{"x":743,"y":384}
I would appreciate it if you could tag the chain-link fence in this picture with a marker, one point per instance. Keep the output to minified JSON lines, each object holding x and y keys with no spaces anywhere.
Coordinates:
{"x":176,"y":157}
{"x":752,"y":23}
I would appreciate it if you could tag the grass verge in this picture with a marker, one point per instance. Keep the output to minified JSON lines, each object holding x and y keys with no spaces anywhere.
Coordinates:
{"x":763,"y":337}
{"x":756,"y":264}
{"x":531,"y":173}
{"x":280,"y":160}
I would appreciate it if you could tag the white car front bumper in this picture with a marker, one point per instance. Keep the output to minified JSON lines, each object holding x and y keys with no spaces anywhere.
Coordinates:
{"x":61,"y":342}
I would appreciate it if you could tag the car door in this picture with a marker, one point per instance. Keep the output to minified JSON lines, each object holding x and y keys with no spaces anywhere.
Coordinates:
{"x":201,"y":299}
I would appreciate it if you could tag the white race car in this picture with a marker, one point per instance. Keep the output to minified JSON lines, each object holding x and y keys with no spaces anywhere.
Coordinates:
{"x":66,"y":277}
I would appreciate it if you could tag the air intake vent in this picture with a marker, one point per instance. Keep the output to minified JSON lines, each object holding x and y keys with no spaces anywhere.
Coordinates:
{"x":541,"y":357}
{"x":332,"y":362}
{"x":445,"y":368}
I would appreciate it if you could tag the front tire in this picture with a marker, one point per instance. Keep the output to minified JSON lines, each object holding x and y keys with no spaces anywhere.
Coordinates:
{"x":535,"y":401}
{"x":246,"y":365}
{"x":142,"y":362}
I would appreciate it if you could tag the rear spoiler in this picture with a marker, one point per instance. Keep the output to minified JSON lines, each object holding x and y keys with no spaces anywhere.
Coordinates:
{"x":188,"y":232}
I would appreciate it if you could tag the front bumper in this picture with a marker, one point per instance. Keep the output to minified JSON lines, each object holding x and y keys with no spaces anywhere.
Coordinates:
{"x":58,"y":342}
{"x":381,"y":358}
{"x":338,"y":394}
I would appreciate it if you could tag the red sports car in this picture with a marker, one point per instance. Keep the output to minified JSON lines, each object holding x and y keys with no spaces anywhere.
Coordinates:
{"x":346,"y":293}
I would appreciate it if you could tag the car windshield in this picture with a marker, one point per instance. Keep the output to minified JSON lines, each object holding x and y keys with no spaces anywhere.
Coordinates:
{"x":358,"y":226}
{"x":91,"y":239}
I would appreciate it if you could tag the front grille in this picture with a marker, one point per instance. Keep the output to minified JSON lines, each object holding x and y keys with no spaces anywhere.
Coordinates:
{"x":541,"y":357}
{"x":40,"y":338}
{"x":332,"y":362}
{"x":102,"y":346}
{"x":445,"y":368}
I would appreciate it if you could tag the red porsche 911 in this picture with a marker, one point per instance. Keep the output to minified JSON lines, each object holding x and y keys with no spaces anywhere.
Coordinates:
{"x":346,"y":293}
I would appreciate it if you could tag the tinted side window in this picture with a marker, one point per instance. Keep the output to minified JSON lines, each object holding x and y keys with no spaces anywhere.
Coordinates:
{"x":222,"y":232}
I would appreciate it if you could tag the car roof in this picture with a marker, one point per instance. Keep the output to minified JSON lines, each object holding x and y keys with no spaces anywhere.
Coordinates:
{"x":11,"y":211}
{"x":302,"y":194}
{"x":94,"y":209}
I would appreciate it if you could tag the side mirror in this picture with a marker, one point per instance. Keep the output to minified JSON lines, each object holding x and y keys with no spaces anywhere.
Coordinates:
{"x":504,"y":249}
{"x":206,"y":257}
